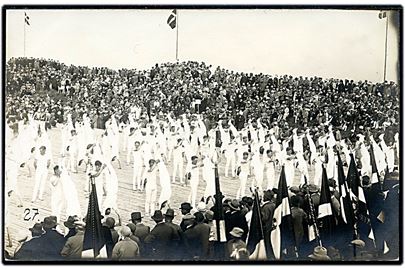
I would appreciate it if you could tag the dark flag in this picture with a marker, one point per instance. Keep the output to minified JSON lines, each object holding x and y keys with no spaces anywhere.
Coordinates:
{"x":382,"y":14}
{"x":375,"y":177}
{"x":93,"y":241}
{"x":255,"y":241}
{"x":26,"y":18}
{"x":346,"y":209}
{"x":282,"y":235}
{"x":326,"y":218}
{"x":171,"y":21}
{"x":361,"y":213}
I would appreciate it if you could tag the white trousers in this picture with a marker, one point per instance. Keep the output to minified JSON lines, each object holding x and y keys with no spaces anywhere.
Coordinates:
{"x":40,"y":180}
{"x":150,"y":201}
{"x":243,"y":176}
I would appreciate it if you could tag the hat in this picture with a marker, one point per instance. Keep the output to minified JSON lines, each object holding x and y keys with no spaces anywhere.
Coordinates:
{"x":169,"y":213}
{"x":237,"y":232}
{"x":49,"y":222}
{"x":268,"y":195}
{"x":201,"y":207}
{"x":125,"y":231}
{"x":295,"y":189}
{"x":109,"y":222}
{"x":37,"y":229}
{"x":209,"y":215}
{"x":320,"y":253}
{"x":69,"y":223}
{"x":79,"y":224}
{"x":132,"y":226}
{"x":188,"y":216}
{"x":358,"y":242}
{"x":186,"y":206}
{"x":136,"y":216}
{"x":157,"y":216}
{"x":234,"y":204}
{"x":313,"y":188}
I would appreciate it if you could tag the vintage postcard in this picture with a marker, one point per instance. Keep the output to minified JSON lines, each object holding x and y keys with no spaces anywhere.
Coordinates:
{"x":202,"y":134}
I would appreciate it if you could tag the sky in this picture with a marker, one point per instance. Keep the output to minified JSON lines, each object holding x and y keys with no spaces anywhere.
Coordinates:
{"x":325,"y":43}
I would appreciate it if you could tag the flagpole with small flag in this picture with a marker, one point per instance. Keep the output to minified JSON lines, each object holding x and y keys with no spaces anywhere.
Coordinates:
{"x":173,"y":22}
{"x":26,"y":22}
{"x":382,"y":15}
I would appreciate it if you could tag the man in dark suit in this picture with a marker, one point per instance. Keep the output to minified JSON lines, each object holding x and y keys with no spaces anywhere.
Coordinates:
{"x":52,"y":240}
{"x":234,"y":218}
{"x":196,"y":236}
{"x":267,"y":211}
{"x":159,"y":241}
{"x":185,"y":209}
{"x":141,"y":230}
{"x":298,"y":217}
{"x":177,"y":246}
{"x":32,"y":249}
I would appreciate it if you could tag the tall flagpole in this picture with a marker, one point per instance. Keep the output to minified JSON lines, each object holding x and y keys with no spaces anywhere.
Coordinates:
{"x":24,"y":32}
{"x":177,"y":35}
{"x":386,"y":39}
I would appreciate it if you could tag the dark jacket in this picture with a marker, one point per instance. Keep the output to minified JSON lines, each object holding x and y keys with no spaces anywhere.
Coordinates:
{"x":52,"y":244}
{"x":159,"y":240}
{"x":73,"y":247}
{"x":141,"y":231}
{"x":298,"y":217}
{"x":267,"y":212}
{"x":30,"y":250}
{"x":235,"y":219}
{"x":196,"y":239}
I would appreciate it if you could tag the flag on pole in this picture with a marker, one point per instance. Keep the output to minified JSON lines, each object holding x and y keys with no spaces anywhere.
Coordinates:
{"x":382,"y":14}
{"x":255,"y":242}
{"x":93,"y":242}
{"x":26,"y":18}
{"x":325,"y":205}
{"x":282,"y":235}
{"x":346,"y":210}
{"x":357,"y":195}
{"x":171,"y":21}
{"x":326,"y":217}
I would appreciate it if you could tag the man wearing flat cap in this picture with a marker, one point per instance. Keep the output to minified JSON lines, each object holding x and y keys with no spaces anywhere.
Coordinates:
{"x":126,"y":248}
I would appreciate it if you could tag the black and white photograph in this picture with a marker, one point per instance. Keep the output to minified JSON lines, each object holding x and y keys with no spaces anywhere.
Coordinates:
{"x":202,"y":134}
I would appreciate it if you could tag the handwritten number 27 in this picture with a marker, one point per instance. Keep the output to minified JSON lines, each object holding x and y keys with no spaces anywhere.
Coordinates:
{"x":30,"y":215}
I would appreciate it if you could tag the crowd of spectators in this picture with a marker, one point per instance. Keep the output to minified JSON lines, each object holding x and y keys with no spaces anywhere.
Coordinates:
{"x":51,"y":89}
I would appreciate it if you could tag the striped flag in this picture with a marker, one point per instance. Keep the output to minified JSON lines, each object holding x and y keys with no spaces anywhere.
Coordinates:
{"x":171,"y":21}
{"x":255,"y":241}
{"x":357,"y":195}
{"x":282,"y":235}
{"x":93,"y":242}
{"x":325,"y":206}
{"x":346,"y":210}
{"x":326,"y":217}
{"x":26,"y":18}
